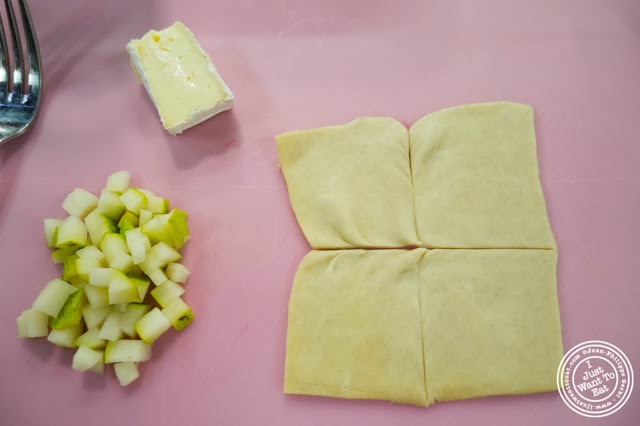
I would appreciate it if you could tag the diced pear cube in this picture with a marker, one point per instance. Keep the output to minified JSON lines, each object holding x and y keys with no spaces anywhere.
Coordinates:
{"x":84,"y":265}
{"x":121,"y":261}
{"x":118,"y":182}
{"x":127,"y":351}
{"x":178,"y":313}
{"x":98,"y":224}
{"x":134,"y":200}
{"x":59,"y":255}
{"x":100,"y":277}
{"x":65,"y":337}
{"x":90,"y":339}
{"x":70,"y":268}
{"x":80,"y":203}
{"x":110,"y":329}
{"x":138,"y":244}
{"x":177,"y":272}
{"x":159,"y":205}
{"x":134,"y":312}
{"x":92,"y":252}
{"x":126,"y":372}
{"x":166,"y":292}
{"x":157,"y":276}
{"x":122,"y":289}
{"x":110,"y":205}
{"x":94,"y":317}
{"x":154,"y":273}
{"x":85,"y":358}
{"x":33,"y":323}
{"x":164,"y":254}
{"x":142,"y":284}
{"x":155,"y":205}
{"x":99,"y":366}
{"x":124,"y":226}
{"x":170,"y":228}
{"x":97,"y":296}
{"x":112,"y":244}
{"x":52,"y":297}
{"x":72,"y":233}
{"x":145,"y":216}
{"x":51,"y":231}
{"x":71,"y":312}
{"x":152,"y":325}
{"x":128,"y":221}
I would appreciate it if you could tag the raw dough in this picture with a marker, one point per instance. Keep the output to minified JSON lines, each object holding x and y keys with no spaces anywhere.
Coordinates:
{"x":350,"y":185}
{"x":354,"y":326}
{"x":472,"y":170}
{"x":477,"y":317}
{"x":490,"y":321}
{"x":475,"y":173}
{"x":420,"y":326}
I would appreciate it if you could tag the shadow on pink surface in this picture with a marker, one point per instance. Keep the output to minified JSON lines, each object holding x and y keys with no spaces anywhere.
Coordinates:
{"x":12,"y":156}
{"x":97,"y":382}
{"x":216,"y":136}
{"x":40,"y":348}
{"x":66,"y":34}
{"x":222,"y":134}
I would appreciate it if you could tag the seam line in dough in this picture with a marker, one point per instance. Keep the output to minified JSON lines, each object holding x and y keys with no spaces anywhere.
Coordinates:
{"x":489,"y":248}
{"x":424,"y":363}
{"x":413,"y":190}
{"x":340,"y":388}
{"x":409,"y":248}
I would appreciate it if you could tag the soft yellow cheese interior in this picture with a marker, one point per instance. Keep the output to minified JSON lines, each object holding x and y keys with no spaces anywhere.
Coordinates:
{"x":181,"y":78}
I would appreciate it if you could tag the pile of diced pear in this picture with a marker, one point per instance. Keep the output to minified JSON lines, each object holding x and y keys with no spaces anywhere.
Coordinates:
{"x":112,"y":248}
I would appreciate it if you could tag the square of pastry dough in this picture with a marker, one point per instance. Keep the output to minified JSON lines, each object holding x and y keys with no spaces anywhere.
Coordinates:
{"x":475,"y":174}
{"x":350,"y":185}
{"x":490,"y":322}
{"x":354,"y":326}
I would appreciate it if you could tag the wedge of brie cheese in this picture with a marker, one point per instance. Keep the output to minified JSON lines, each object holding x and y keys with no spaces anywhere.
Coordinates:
{"x":179,"y":76}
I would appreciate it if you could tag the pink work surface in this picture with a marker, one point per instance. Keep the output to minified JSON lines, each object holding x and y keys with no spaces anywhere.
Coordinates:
{"x":295,"y":65}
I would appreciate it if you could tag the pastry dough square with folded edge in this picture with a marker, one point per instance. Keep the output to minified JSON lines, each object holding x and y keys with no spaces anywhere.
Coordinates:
{"x":350,"y":185}
{"x":354,"y":326}
{"x":475,"y":175}
{"x":490,"y":322}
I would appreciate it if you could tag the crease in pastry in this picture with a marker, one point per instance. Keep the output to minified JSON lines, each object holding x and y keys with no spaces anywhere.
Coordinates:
{"x":422,"y":342}
{"x":413,"y":186}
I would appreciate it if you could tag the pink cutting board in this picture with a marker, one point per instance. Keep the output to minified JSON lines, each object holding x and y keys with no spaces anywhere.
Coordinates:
{"x":295,"y":65}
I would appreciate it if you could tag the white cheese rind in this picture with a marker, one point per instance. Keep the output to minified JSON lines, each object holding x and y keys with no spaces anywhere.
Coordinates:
{"x":196,"y":116}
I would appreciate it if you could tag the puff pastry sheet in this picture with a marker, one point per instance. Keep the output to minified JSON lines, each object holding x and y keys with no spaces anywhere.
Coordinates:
{"x":463,"y":177}
{"x":354,"y":326}
{"x":475,"y":175}
{"x":423,"y":326}
{"x":491,"y":324}
{"x":472,"y":313}
{"x":350,"y":185}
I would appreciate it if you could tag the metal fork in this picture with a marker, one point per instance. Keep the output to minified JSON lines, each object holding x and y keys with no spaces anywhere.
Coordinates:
{"x":18,"y":107}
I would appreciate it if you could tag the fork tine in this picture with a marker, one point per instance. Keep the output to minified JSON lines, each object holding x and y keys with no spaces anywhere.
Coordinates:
{"x":4,"y":64}
{"x":17,"y":52}
{"x":35,"y":79}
